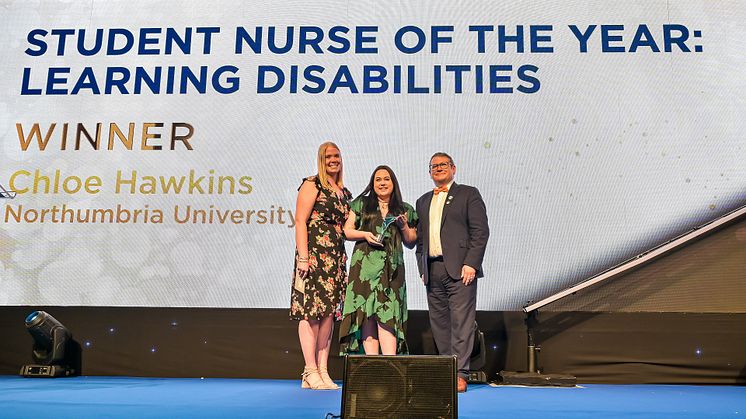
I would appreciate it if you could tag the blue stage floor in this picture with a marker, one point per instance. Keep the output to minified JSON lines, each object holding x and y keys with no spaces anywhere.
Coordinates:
{"x":130,"y":397}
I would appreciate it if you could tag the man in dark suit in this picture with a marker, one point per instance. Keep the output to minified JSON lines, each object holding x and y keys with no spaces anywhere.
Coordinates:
{"x":451,"y":240}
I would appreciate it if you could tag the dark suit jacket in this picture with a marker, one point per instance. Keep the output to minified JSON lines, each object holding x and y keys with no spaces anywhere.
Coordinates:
{"x":463,"y":230}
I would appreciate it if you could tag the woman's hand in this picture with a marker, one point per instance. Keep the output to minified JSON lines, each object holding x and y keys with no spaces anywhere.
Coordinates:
{"x":302,"y":268}
{"x":371,"y":239}
{"x":408,"y":233}
{"x":401,"y":221}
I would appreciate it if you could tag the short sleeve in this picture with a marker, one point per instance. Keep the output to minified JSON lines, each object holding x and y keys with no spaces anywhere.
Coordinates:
{"x":412,"y":218}
{"x":314,"y":179}
{"x":357,"y":207}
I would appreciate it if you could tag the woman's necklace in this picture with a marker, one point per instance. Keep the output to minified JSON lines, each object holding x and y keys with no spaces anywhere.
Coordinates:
{"x":384,"y":206}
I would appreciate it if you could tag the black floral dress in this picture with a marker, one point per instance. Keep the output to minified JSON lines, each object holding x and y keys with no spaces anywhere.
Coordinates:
{"x":377,"y":285}
{"x":324,"y":287}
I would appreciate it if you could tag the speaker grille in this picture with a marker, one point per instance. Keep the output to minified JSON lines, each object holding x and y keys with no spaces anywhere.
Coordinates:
{"x":399,"y":387}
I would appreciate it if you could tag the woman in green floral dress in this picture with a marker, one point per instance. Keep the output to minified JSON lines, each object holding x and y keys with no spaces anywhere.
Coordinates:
{"x":375,"y":305}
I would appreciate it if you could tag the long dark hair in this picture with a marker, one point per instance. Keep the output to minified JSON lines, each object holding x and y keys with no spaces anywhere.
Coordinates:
{"x":370,"y":199}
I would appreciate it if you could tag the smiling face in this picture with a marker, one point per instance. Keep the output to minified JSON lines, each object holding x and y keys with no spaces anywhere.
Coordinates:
{"x":382,"y":184}
{"x":332,"y":161}
{"x":442,"y":170}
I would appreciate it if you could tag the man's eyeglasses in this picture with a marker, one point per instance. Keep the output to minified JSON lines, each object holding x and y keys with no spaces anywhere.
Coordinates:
{"x":437,"y":166}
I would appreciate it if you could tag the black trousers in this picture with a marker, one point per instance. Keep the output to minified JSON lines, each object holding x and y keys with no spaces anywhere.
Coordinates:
{"x":453,"y":309}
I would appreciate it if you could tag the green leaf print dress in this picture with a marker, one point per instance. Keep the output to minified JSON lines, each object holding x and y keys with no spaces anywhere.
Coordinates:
{"x":377,"y":285}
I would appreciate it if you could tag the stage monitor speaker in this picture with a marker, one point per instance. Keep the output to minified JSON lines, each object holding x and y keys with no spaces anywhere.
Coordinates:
{"x":402,"y":386}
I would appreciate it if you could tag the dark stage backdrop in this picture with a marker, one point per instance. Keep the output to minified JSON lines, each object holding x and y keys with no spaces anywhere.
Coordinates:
{"x":597,"y":347}
{"x":679,"y":319}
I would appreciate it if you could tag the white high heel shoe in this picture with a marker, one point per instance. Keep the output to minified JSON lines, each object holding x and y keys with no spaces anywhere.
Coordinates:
{"x":324,"y":373}
{"x":312,"y":379}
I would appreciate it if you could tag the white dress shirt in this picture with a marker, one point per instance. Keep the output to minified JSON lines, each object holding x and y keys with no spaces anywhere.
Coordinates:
{"x":435,"y":248}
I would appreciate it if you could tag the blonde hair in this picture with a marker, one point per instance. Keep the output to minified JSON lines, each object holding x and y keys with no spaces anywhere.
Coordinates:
{"x":321,"y":162}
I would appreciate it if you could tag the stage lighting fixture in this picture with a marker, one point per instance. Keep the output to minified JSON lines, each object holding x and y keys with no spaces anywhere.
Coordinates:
{"x":51,"y":351}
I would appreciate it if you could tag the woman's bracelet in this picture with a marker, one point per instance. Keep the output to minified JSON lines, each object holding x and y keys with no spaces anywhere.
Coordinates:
{"x":300,"y":259}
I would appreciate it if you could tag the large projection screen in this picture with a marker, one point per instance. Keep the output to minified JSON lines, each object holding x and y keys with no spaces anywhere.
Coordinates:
{"x":594,"y":131}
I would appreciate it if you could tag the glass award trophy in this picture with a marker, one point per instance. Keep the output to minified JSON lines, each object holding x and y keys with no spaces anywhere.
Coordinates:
{"x":387,"y":221}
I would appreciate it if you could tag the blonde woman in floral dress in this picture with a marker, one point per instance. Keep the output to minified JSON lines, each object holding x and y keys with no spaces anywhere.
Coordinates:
{"x":320,"y":264}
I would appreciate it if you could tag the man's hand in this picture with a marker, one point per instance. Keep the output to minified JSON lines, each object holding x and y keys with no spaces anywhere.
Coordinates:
{"x":468,"y":274}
